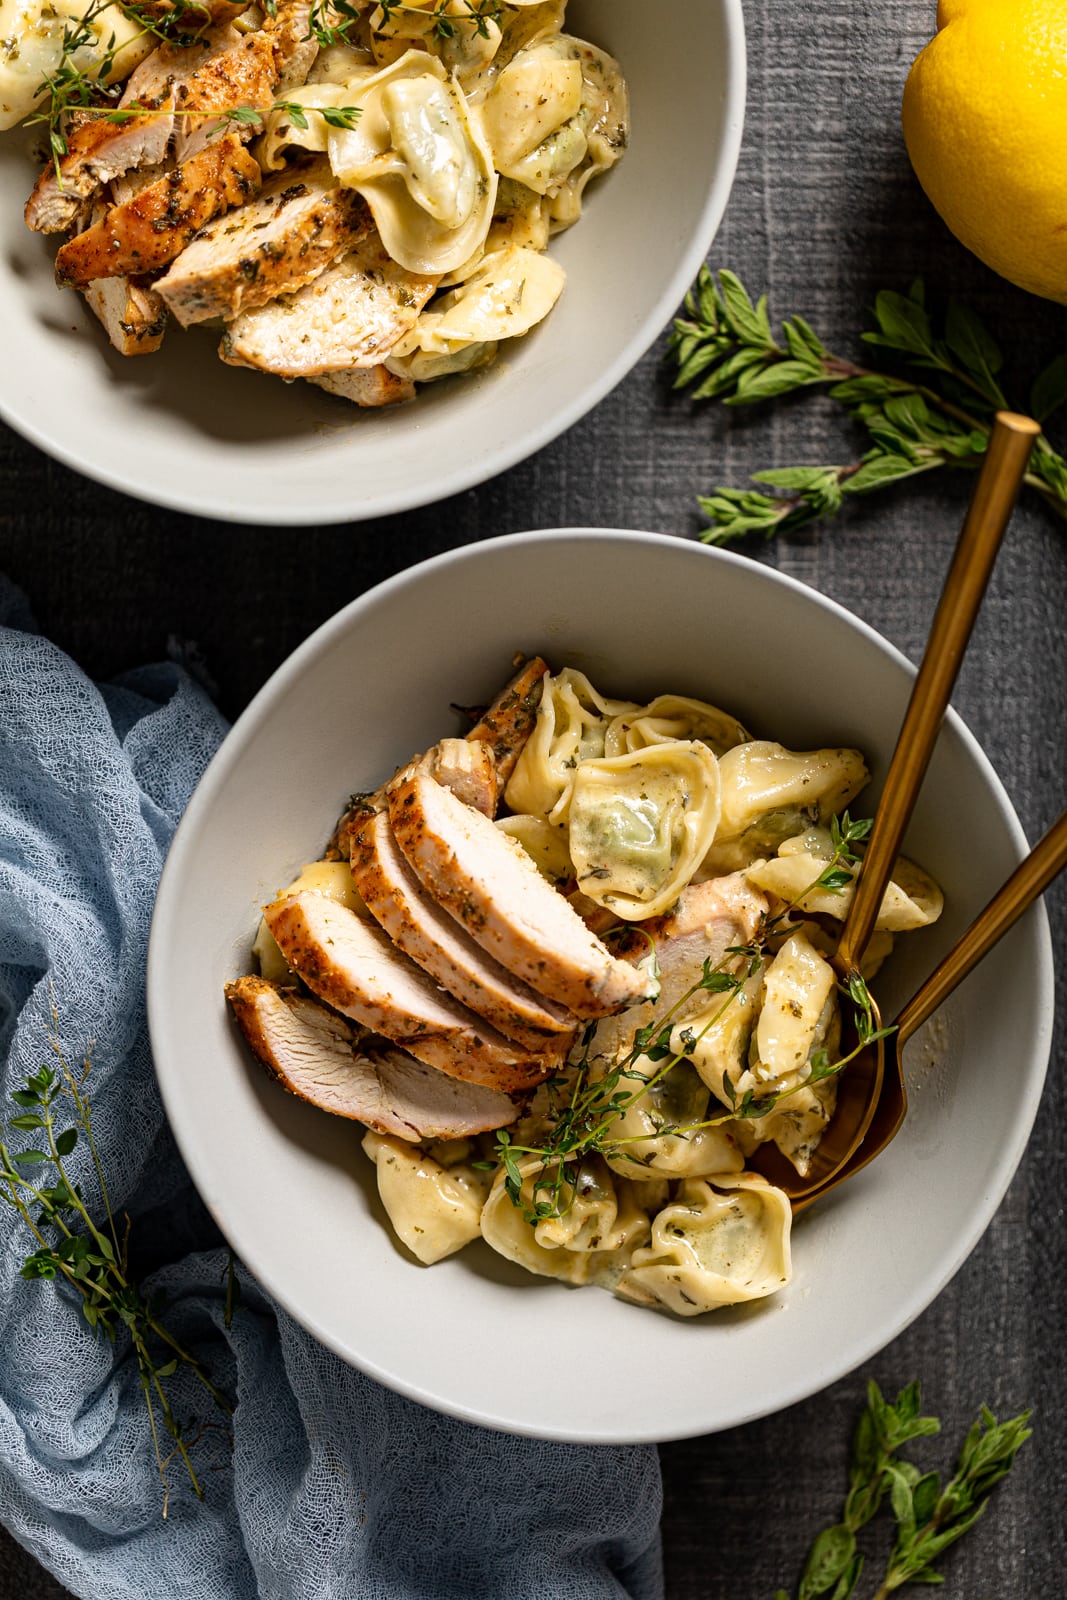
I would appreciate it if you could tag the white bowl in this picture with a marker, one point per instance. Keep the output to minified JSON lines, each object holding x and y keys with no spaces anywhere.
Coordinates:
{"x":288,"y":1185}
{"x":182,"y":430}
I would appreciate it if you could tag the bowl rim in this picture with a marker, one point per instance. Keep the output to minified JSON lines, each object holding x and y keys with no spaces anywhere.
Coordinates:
{"x":828,"y":1370}
{"x":470,"y":469}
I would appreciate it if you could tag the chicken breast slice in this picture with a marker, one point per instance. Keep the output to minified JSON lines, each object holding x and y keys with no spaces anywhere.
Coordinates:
{"x":352,"y":964}
{"x":467,"y":775}
{"x":296,"y":45}
{"x":466,"y":766}
{"x":496,"y":738}
{"x":319,"y":1057}
{"x":488,"y":883}
{"x":147,"y":232}
{"x":351,"y":315}
{"x":132,"y":313}
{"x":302,"y":220}
{"x":423,"y":930}
{"x":99,"y":151}
{"x":708,"y":920}
{"x":509,"y":721}
{"x":246,"y":76}
{"x":366,"y":386}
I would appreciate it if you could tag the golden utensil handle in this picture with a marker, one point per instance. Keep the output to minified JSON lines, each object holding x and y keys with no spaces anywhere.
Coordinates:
{"x":1030,"y":879}
{"x":1008,"y":453}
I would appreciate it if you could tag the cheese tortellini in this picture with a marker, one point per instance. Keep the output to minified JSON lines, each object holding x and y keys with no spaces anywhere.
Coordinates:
{"x":434,"y":1208}
{"x":721,"y":1241}
{"x":912,"y":899}
{"x":604,"y":1218}
{"x":697,"y":852}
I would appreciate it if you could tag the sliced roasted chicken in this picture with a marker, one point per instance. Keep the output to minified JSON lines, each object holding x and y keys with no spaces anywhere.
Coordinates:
{"x":301,"y":221}
{"x":127,"y":187}
{"x":295,"y":40}
{"x":353,"y":965}
{"x":97,"y":152}
{"x":466,"y":766}
{"x":489,"y":884}
{"x":245,"y":76}
{"x":509,"y":721}
{"x":709,"y":920}
{"x":100,"y":150}
{"x":439,"y":944}
{"x":351,"y":315}
{"x":499,"y":734}
{"x":366,"y":386}
{"x":132,"y":313}
{"x":320,"y":1057}
{"x":148,"y":231}
{"x":466,"y":770}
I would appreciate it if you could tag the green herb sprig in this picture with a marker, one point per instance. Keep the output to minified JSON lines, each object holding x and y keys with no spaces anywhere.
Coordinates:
{"x":333,"y":21}
{"x":75,"y":86}
{"x":476,"y":13}
{"x":93,"y":1257}
{"x":937,"y":412}
{"x":334,"y":116}
{"x":585,"y":1110}
{"x":929,"y":1517}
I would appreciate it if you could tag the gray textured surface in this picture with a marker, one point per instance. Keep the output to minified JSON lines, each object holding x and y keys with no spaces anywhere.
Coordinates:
{"x":825,"y":211}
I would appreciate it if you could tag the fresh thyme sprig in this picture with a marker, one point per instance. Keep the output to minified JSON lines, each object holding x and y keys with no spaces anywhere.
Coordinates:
{"x":91,"y":1257}
{"x":75,"y":86}
{"x":332,"y":21}
{"x":938,"y":412}
{"x":584,"y":1123}
{"x":929,"y":1518}
{"x":334,"y":116}
{"x":476,"y":13}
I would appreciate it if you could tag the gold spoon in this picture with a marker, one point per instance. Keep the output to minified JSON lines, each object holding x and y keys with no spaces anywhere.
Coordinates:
{"x":860,"y":1084}
{"x":1030,"y":879}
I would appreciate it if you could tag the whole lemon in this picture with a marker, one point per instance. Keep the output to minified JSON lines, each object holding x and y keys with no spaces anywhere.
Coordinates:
{"x":985,"y":123}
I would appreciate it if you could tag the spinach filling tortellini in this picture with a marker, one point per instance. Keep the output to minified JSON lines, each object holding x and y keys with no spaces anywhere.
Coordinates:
{"x":635,"y":788}
{"x":770,"y":793}
{"x":763,"y":1042}
{"x":662,"y":1132}
{"x":572,"y":725}
{"x":640,"y":825}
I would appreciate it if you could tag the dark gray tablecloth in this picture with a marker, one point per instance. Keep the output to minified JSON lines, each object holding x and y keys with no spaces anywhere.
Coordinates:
{"x":825,"y":211}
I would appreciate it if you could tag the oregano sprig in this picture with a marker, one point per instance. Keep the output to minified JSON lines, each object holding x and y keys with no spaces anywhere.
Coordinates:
{"x":937,"y":411}
{"x":929,"y":1517}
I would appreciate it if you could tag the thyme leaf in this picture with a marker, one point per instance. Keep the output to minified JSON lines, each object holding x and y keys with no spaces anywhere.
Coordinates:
{"x":936,"y":411}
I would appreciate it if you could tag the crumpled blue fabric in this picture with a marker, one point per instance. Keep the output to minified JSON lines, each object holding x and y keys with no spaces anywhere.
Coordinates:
{"x":325,"y":1486}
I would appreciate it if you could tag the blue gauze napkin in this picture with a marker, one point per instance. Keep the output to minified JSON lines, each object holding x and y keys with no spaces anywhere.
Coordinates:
{"x":333,"y":1488}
